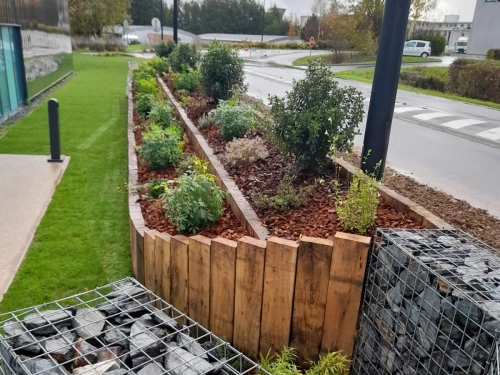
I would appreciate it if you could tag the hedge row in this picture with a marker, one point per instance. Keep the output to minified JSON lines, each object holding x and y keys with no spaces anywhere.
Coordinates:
{"x":476,"y":79}
{"x":264,"y":45}
{"x":493,"y":54}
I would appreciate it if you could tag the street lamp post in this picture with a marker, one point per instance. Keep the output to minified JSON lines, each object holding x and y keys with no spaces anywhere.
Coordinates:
{"x":263,"y":20}
{"x":176,"y":19}
{"x":161,"y":18}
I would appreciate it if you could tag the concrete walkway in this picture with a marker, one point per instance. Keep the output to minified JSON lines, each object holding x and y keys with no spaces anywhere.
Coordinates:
{"x":27,"y":184}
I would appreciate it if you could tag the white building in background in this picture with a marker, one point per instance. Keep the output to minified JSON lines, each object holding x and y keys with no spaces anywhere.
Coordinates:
{"x":451,"y":29}
{"x":303,"y":20}
{"x":486,"y":27}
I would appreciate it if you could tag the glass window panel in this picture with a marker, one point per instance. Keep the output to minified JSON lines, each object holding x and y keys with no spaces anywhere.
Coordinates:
{"x":9,"y":68}
{"x":4,"y":87}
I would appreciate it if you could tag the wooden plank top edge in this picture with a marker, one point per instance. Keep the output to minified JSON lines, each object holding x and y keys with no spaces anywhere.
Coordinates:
{"x":353,"y":237}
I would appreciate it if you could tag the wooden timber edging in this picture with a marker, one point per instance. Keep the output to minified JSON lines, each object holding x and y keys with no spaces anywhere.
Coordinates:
{"x":239,"y":204}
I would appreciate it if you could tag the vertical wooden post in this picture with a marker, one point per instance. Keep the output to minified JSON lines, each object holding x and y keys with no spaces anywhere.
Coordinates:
{"x":309,"y":303}
{"x":347,"y":272}
{"x":199,"y":279}
{"x":222,"y":284}
{"x":133,"y":249}
{"x":277,"y":301}
{"x":149,"y":261}
{"x":179,"y":273}
{"x":250,"y":256}
{"x":139,"y":240}
{"x":162,"y":266}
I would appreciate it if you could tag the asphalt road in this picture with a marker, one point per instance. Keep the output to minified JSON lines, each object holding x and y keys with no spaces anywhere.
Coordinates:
{"x":446,"y":144}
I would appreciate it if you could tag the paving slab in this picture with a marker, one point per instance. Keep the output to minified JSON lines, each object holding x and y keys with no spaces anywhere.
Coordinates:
{"x":27,"y":183}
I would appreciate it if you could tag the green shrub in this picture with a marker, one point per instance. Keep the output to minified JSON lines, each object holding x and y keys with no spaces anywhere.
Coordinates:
{"x":493,"y":54}
{"x":204,"y":121}
{"x":155,"y":188}
{"x":161,"y":114}
{"x":287,"y":197}
{"x":165,"y":49}
{"x":332,"y":363}
{"x":430,"y":83}
{"x":186,"y":164}
{"x":233,"y":121}
{"x":357,"y":211}
{"x":221,"y":69}
{"x":159,"y":64}
{"x":196,"y":202}
{"x":146,"y":86}
{"x":161,"y":147}
{"x":144,"y":71}
{"x":143,"y":105}
{"x":315,"y":118}
{"x":188,"y":80}
{"x":245,"y":151}
{"x":183,"y":57}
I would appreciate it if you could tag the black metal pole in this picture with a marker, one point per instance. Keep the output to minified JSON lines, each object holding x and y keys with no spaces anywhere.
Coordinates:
{"x":55,"y":140}
{"x":176,"y":19}
{"x":263,"y":20}
{"x":161,"y":18}
{"x":385,"y":86}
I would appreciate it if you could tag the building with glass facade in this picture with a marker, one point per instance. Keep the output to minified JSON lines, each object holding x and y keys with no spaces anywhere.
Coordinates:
{"x":35,"y":49}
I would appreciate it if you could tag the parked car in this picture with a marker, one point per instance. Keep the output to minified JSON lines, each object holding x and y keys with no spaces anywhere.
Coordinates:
{"x":461,"y":45}
{"x":417,"y":48}
{"x":130,"y":39}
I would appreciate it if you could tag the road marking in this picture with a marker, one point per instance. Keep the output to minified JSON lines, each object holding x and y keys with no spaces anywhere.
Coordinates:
{"x":408,"y":109}
{"x":493,"y":134}
{"x":432,"y":115}
{"x":366,"y":100}
{"x":459,"y":124}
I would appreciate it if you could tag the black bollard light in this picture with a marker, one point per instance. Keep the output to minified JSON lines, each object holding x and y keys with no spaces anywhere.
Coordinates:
{"x":385,"y":86}
{"x":55,"y":139}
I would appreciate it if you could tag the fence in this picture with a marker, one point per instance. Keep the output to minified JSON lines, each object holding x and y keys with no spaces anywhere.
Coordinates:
{"x":260,"y":295}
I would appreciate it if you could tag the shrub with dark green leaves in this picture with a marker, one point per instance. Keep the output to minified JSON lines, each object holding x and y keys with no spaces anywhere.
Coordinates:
{"x":161,"y":147}
{"x":159,"y":64}
{"x":161,"y":114}
{"x":430,"y":83}
{"x":233,"y":121}
{"x":188,"y":80}
{"x":143,"y":105}
{"x":221,"y":69}
{"x":493,"y":54}
{"x":316,"y":118}
{"x":165,"y":49}
{"x":155,"y":188}
{"x":144,"y":71}
{"x":186,"y":164}
{"x":184,"y":57}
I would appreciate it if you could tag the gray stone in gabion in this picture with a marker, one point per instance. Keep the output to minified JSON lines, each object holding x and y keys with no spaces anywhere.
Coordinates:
{"x":491,"y":326}
{"x":114,"y":336}
{"x":17,"y":336}
{"x":458,"y":360}
{"x":479,"y":347}
{"x":451,"y":329}
{"x":414,"y":279}
{"x":60,"y":348}
{"x":141,"y":339}
{"x":386,"y":319}
{"x":468,"y":314}
{"x":213,"y":353}
{"x":85,"y":353}
{"x":401,"y":343}
{"x":412,"y":317}
{"x":139,"y":362}
{"x":89,"y":322}
{"x":430,"y":301}
{"x":45,"y":366}
{"x":191,"y":345}
{"x":395,"y":298}
{"x":387,"y":357}
{"x":394,"y":257}
{"x":126,"y":290}
{"x":45,"y":323}
{"x":152,"y":369}
{"x":109,"y":308}
{"x":492,"y":308}
{"x":448,"y":308}
{"x":181,"y":362}
{"x":426,"y":338}
{"x":120,"y":371}
{"x":370,"y":338}
{"x":165,"y":321}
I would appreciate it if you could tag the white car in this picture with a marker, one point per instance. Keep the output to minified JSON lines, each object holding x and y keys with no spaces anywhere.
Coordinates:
{"x":417,"y":48}
{"x":130,"y":39}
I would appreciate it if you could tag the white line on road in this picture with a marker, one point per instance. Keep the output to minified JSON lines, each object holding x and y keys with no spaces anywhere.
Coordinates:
{"x":459,"y":124}
{"x":366,"y":99}
{"x":408,"y":109}
{"x":493,"y":134}
{"x":432,"y":115}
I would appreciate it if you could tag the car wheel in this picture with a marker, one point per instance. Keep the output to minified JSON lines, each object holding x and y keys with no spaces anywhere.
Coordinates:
{"x":425,"y":54}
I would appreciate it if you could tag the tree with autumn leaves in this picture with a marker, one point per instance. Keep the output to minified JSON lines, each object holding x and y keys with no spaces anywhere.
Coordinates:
{"x":89,"y":17}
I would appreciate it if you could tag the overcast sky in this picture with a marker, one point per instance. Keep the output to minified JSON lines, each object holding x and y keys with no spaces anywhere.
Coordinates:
{"x":463,"y":7}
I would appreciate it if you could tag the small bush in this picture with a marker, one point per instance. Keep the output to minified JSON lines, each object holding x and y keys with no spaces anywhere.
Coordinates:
{"x":165,"y":49}
{"x":408,"y":77}
{"x":160,"y":65}
{"x":161,"y":147}
{"x":287,"y":197}
{"x":146,"y":86}
{"x":358,"y":210}
{"x":185,"y":56}
{"x":144,"y":104}
{"x":493,"y":54}
{"x":234,"y":121}
{"x":155,"y":188}
{"x":186,"y":164}
{"x":476,"y":79}
{"x":204,"y":121}
{"x":245,"y":151}
{"x":221,"y":69}
{"x":144,"y":71}
{"x":430,"y":83}
{"x":188,"y":80}
{"x":161,"y":114}
{"x":196,"y":202}
{"x":315,"y":118}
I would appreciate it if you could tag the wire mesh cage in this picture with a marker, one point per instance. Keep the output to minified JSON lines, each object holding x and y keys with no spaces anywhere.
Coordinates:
{"x":494,"y":363}
{"x":431,"y":304}
{"x":120,"y":328}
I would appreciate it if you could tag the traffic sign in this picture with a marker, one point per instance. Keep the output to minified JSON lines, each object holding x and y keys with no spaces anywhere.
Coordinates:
{"x":246,"y":48}
{"x":311,"y":42}
{"x":126,"y":26}
{"x":155,"y":22}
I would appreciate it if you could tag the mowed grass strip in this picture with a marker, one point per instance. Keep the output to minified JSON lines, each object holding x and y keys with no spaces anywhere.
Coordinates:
{"x":327,"y":59}
{"x":83,"y":240}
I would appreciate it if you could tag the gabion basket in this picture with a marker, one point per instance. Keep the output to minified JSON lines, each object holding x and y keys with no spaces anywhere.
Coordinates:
{"x":120,"y":328}
{"x":431,"y":304}
{"x":494,"y":364}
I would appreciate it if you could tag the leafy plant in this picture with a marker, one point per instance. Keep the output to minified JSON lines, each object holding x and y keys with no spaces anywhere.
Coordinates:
{"x":316,"y":116}
{"x":357,"y":211}
{"x":187,"y":80}
{"x":165,"y":49}
{"x":331,"y":363}
{"x":161,"y":114}
{"x":184,"y":56}
{"x":146,"y":86}
{"x":280,"y":364}
{"x":196,"y":202}
{"x":205,"y":120}
{"x":143,"y":104}
{"x":245,"y":151}
{"x":186,"y":164}
{"x":161,"y":147}
{"x":234,"y":121}
{"x":286,"y":198}
{"x":221,"y":68}
{"x":159,"y":64}
{"x":143,"y":71}
{"x":155,"y":188}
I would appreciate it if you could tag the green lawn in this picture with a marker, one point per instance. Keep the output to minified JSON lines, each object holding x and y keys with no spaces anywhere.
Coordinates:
{"x":41,"y":83}
{"x":406,"y":59}
{"x":83,"y":240}
{"x":137,"y":47}
{"x":366,"y":75}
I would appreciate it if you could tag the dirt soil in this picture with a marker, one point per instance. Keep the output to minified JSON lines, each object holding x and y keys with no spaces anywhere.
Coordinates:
{"x":228,"y":225}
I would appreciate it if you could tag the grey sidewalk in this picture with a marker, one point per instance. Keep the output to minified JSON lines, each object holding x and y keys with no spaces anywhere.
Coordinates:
{"x":27,"y":183}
